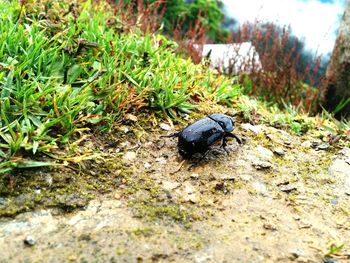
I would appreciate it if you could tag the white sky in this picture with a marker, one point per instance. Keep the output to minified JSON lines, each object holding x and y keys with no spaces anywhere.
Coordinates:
{"x":314,"y":21}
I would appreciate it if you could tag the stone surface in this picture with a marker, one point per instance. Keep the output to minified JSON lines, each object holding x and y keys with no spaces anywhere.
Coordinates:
{"x":221,"y":210}
{"x":340,"y":169}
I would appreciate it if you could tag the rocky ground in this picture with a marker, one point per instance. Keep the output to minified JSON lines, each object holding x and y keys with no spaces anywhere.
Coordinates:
{"x":276,"y":198}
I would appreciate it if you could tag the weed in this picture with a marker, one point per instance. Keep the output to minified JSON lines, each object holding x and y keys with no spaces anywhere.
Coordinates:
{"x":335,"y":251}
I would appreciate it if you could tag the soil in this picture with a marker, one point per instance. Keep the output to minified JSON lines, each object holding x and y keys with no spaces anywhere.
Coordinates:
{"x":276,"y":198}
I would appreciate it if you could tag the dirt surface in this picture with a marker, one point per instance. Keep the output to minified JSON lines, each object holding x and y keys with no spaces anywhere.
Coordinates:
{"x":276,"y":198}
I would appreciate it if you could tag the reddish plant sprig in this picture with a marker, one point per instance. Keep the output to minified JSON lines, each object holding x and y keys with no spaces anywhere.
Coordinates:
{"x":281,"y":79}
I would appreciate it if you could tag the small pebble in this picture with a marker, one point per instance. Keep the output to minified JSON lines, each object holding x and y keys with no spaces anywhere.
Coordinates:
{"x":303,"y":224}
{"x":72,"y":258}
{"x":260,"y":165}
{"x":306,"y":144}
{"x":287,"y":188}
{"x":279,"y":151}
{"x":164,"y":126}
{"x":131,"y":117}
{"x":264,"y":153}
{"x":168,"y":185}
{"x":124,"y":129}
{"x":228,"y":178}
{"x":161,"y":160}
{"x":29,"y":241}
{"x":269,"y":226}
{"x":117,"y":195}
{"x":260,"y":187}
{"x":329,"y":260}
{"x":323,"y":146}
{"x":147,"y":165}
{"x":296,"y":218}
{"x":194,"y":199}
{"x":2,"y":201}
{"x":252,"y":128}
{"x":194,"y":175}
{"x":295,"y":253}
{"x":129,"y":156}
{"x":334,"y":201}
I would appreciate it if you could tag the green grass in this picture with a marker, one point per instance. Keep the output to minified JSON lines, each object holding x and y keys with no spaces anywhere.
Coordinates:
{"x":64,"y":68}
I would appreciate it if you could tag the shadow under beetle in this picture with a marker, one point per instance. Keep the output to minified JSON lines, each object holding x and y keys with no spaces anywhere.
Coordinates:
{"x":199,"y":136}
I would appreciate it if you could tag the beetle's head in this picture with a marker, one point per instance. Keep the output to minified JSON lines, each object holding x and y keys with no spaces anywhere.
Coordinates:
{"x":226,"y":122}
{"x":184,"y":153}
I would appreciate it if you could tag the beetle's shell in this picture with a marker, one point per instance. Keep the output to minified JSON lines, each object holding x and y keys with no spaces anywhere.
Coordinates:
{"x":199,"y":136}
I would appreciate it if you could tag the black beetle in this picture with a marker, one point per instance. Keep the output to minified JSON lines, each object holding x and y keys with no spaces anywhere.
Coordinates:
{"x":199,"y":136}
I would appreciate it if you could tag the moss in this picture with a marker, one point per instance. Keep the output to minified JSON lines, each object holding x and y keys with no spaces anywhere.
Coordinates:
{"x":188,"y":241}
{"x":62,"y":187}
{"x":145,"y":231}
{"x":119,"y":251}
{"x":309,"y":170}
{"x":153,"y":211}
{"x":239,"y":184}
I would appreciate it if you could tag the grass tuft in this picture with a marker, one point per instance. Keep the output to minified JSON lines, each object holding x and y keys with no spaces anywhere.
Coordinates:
{"x":67,"y":67}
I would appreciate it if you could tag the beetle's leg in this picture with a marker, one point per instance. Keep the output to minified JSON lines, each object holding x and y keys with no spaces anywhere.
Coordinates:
{"x":224,"y":144}
{"x":228,"y":134}
{"x":195,"y":163}
{"x":173,"y":135}
{"x":179,"y":167}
